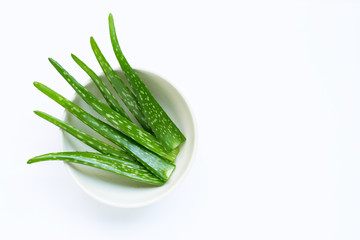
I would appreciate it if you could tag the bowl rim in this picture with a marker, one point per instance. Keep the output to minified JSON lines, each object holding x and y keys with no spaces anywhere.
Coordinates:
{"x":69,"y":168}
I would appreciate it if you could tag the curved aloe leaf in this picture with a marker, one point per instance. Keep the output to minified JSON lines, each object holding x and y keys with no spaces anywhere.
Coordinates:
{"x":120,"y":166}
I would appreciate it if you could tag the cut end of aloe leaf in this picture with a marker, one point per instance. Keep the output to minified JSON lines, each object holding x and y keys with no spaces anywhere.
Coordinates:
{"x":170,"y":172}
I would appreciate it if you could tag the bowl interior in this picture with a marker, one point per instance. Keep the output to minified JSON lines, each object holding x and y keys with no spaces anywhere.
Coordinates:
{"x":116,"y":190}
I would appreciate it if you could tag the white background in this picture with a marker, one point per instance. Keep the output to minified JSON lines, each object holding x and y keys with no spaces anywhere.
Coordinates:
{"x":275,"y":89}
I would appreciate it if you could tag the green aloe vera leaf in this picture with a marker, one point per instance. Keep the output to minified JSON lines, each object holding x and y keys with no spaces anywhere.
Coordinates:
{"x":160,"y":123}
{"x":118,"y":165}
{"x":120,"y":87}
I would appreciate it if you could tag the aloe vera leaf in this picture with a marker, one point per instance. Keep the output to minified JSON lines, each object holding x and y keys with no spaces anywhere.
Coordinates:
{"x":160,"y":123}
{"x":120,"y":87}
{"x":118,"y":165}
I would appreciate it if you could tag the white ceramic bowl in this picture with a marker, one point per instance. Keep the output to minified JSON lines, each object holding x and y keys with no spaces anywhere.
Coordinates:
{"x":116,"y":190}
